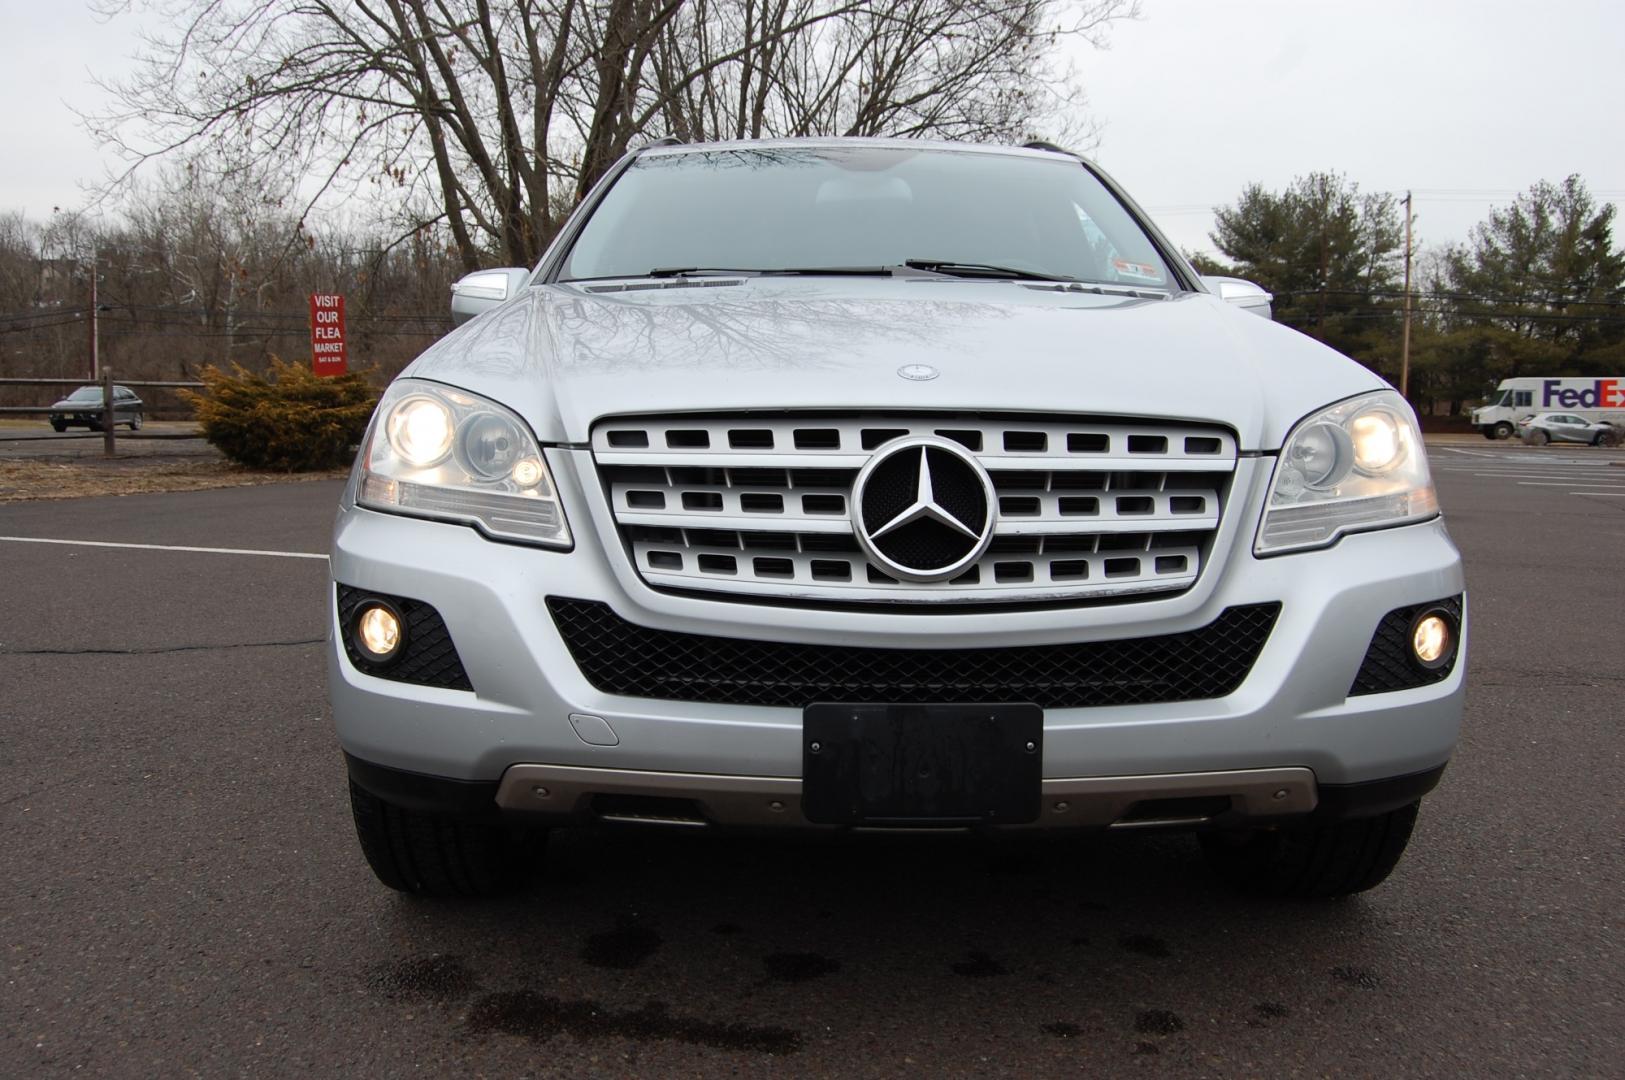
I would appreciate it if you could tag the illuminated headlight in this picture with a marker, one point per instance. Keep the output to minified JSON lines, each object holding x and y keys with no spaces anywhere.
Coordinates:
{"x":441,"y":453}
{"x":419,"y":430}
{"x":1356,"y":465}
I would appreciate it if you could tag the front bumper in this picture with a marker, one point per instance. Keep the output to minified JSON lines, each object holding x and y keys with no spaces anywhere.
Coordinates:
{"x":566,"y":795}
{"x":1292,"y":712}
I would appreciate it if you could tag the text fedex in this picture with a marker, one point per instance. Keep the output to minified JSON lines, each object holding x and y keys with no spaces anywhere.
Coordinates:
{"x":1602,"y":394}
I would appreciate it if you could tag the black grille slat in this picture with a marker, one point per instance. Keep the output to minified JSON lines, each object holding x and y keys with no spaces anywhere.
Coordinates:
{"x":619,"y":657}
{"x":1388,"y":665}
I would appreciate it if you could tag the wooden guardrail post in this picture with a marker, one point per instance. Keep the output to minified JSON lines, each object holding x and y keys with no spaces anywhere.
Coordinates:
{"x":109,"y":421}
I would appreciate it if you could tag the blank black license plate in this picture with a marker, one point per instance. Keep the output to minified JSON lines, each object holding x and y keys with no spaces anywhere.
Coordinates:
{"x":921,"y":764}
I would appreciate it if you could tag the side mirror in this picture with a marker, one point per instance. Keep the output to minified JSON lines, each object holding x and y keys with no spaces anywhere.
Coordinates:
{"x":483,"y":290}
{"x":1244,"y":294}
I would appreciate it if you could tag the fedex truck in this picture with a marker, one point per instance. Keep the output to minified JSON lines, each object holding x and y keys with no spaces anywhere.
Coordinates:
{"x":1589,"y":397}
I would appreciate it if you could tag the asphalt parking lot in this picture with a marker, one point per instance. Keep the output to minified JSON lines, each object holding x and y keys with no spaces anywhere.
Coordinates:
{"x":183,"y":894}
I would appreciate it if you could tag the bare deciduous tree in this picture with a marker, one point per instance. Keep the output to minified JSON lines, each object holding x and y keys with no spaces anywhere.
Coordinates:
{"x":500,"y":116}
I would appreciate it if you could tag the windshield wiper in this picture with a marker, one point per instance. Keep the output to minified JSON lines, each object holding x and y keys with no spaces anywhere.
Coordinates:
{"x":694,"y":271}
{"x":973,"y":269}
{"x":780,"y":271}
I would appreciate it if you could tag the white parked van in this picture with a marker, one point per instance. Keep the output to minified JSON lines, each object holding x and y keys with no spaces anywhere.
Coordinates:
{"x":1590,"y":397}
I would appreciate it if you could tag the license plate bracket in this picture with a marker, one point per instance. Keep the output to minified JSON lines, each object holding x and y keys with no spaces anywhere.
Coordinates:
{"x":921,"y":765}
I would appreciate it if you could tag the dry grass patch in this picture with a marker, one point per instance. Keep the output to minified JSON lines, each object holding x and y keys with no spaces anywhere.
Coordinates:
{"x":24,"y":481}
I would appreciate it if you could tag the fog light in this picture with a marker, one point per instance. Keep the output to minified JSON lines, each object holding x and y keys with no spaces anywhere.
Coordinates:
{"x":1433,"y":640}
{"x":379,"y":632}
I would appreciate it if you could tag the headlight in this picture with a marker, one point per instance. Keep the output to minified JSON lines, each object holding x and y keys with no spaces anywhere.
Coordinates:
{"x":419,"y":430}
{"x":441,"y":453}
{"x":1356,"y":465}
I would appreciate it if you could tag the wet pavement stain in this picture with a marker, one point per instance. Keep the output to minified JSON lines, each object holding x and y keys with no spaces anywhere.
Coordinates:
{"x":1063,"y":1030}
{"x":978,"y":965}
{"x":797,"y":967}
{"x":536,"y":1016}
{"x":439,"y":979}
{"x":1158,"y":1022}
{"x":1266,"y":1011}
{"x":626,"y":946}
{"x":1145,"y":945}
{"x":1357,"y":976}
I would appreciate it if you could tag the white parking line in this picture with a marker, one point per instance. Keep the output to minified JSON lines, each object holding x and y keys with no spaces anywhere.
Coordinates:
{"x":1520,"y":466}
{"x":163,"y":547}
{"x":1572,"y":476}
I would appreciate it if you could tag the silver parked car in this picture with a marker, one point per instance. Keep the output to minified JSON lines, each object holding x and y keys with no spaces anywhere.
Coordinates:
{"x":841,"y":484}
{"x":83,"y":407}
{"x":1549,"y":427}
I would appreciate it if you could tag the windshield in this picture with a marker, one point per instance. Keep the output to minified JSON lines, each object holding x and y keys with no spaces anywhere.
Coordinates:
{"x":86,"y":393}
{"x":808,"y":208}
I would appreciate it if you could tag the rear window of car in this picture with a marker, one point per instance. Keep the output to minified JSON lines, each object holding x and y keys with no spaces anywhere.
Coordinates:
{"x":808,"y":207}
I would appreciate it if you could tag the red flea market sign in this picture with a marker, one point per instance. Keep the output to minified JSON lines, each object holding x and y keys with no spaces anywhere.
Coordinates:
{"x":327,"y":352}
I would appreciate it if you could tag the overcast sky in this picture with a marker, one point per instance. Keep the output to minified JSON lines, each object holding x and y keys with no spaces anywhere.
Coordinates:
{"x":1465,"y":101}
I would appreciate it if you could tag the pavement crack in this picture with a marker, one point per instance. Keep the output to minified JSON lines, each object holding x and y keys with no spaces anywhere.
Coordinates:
{"x":158,"y":650}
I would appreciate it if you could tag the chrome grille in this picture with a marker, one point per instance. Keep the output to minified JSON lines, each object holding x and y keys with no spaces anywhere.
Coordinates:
{"x":761,"y":505}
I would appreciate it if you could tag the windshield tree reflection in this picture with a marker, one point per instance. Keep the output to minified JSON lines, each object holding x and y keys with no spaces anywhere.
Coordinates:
{"x":775,"y":208}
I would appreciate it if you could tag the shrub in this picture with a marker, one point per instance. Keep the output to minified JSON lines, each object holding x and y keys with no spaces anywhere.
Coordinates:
{"x":289,"y":419}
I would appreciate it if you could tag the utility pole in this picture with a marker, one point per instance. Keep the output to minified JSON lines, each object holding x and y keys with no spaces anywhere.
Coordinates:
{"x":95,"y":338}
{"x":1405,"y":334}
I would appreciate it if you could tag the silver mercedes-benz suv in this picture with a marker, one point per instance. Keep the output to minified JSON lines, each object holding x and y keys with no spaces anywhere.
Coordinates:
{"x":877,"y":484}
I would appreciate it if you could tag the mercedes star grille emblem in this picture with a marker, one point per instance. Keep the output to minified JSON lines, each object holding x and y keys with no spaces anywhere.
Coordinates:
{"x":923,"y":509}
{"x":918,"y":372}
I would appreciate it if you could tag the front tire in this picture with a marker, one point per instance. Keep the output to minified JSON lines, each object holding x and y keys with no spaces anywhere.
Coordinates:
{"x":435,"y":855}
{"x":135,"y":422}
{"x":59,"y":426}
{"x":1312,"y":861}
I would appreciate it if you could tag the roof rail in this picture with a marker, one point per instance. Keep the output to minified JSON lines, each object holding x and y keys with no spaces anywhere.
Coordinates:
{"x":1039,"y":144}
{"x":664,"y":140}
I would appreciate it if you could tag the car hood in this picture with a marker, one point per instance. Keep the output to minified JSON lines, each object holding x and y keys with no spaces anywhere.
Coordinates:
{"x":565,"y":355}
